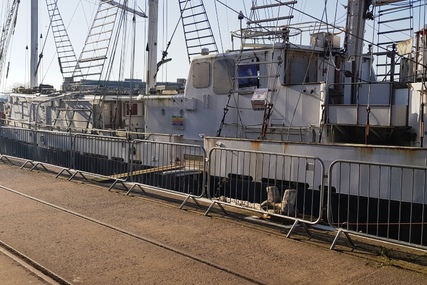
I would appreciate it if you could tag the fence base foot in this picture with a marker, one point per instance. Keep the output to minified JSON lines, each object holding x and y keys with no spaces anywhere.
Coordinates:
{"x":297,"y":222}
{"x":188,"y":198}
{"x":74,"y":175}
{"x":62,"y":171}
{"x":118,"y":181}
{"x":212,"y":204}
{"x":136,"y":185}
{"x":337,"y":236}
{"x":38,"y":164}
{"x":5,"y":157}
{"x":27,"y":162}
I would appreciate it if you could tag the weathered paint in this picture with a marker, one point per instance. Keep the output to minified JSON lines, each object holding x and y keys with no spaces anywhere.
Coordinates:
{"x":409,"y":156}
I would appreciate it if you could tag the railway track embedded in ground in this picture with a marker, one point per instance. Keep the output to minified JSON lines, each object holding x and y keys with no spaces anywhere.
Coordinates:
{"x":111,"y":227}
{"x":90,"y":235}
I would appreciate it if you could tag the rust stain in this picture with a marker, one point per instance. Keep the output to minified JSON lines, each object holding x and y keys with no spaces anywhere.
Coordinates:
{"x":285,"y":147}
{"x":367,"y":150}
{"x":255,"y":145}
{"x":409,"y":156}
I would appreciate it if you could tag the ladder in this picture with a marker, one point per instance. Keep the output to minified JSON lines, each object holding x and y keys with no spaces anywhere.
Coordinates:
{"x":267,"y":24}
{"x":94,"y":54}
{"x":197,"y":29}
{"x":388,"y":61}
{"x":66,"y":57}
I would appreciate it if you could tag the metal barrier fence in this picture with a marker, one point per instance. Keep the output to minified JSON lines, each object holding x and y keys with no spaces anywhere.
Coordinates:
{"x":381,"y":201}
{"x":175,"y":167}
{"x":171,"y":166}
{"x":18,"y":142}
{"x":103,"y":155}
{"x":278,"y":184}
{"x":53,"y":148}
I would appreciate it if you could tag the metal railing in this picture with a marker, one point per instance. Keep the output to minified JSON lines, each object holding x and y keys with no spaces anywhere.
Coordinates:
{"x":382,"y":201}
{"x":18,"y":142}
{"x":102,"y":155}
{"x":277,"y":184}
{"x":176,"y":167}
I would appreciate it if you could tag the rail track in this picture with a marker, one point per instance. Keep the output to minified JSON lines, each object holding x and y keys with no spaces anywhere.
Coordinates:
{"x":57,"y":278}
{"x":39,"y":271}
{"x":225,"y":246}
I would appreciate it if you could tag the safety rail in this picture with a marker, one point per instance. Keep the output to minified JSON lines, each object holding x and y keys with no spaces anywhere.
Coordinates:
{"x":276,"y":184}
{"x":172,"y":167}
{"x":43,"y":146}
{"x":18,"y":142}
{"x":104,"y":155}
{"x":382,"y":201}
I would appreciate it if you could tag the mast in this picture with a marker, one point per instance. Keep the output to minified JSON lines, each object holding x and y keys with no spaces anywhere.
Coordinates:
{"x":34,"y":42}
{"x":356,"y":19}
{"x":359,"y":11}
{"x":153,"y":8}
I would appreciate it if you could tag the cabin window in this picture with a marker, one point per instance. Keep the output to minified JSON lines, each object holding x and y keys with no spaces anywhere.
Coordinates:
{"x":133,"y":110}
{"x":201,"y":74}
{"x":248,"y":75}
{"x":302,"y":67}
{"x":223,"y":73}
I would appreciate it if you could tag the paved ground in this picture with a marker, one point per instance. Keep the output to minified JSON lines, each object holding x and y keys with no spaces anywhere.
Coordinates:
{"x":13,"y":270}
{"x":161,"y":244}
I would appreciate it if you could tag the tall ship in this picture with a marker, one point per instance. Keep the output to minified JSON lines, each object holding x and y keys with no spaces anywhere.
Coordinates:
{"x":349,"y":92}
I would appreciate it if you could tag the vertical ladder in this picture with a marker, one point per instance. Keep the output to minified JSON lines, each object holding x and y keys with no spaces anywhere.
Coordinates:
{"x":66,"y":57}
{"x":92,"y":58}
{"x":266,"y":25}
{"x":267,"y":22}
{"x":197,"y":29}
{"x":388,"y":62}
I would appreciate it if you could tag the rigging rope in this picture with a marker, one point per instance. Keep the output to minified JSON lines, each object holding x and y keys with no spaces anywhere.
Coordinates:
{"x":305,"y":76}
{"x":165,"y":52}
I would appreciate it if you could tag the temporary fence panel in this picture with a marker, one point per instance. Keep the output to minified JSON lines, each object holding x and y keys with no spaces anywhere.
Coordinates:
{"x":53,"y":148}
{"x":171,"y":166}
{"x":382,"y":201}
{"x":279,"y":184}
{"x":101,"y":155}
{"x":18,"y":142}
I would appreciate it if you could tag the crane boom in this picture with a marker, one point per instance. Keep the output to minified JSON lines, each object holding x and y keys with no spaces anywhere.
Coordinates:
{"x":7,"y":32}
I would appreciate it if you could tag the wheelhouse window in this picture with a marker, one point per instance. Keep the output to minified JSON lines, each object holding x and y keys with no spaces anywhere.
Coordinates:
{"x":201,"y":74}
{"x":223,"y":73}
{"x":248,"y":75}
{"x":302,"y":67}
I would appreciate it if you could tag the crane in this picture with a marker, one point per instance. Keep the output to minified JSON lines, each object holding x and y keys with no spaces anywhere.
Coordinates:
{"x":7,"y":32}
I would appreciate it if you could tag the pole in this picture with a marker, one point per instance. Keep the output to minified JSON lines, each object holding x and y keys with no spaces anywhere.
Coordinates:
{"x":34,"y":42}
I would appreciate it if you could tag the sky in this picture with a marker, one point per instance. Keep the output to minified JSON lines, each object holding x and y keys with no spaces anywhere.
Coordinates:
{"x":78,"y":14}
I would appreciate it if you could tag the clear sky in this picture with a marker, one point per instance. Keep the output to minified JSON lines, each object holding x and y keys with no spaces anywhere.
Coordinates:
{"x":77,"y":15}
